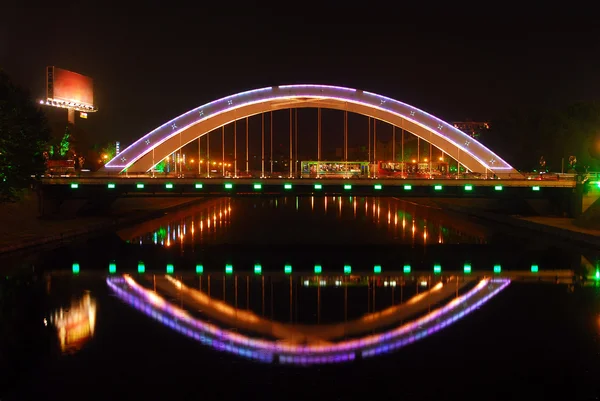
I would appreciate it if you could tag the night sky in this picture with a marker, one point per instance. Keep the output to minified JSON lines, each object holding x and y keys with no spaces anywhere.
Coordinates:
{"x":152,"y":63}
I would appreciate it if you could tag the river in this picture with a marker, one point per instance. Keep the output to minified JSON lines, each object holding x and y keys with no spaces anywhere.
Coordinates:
{"x":300,"y":298}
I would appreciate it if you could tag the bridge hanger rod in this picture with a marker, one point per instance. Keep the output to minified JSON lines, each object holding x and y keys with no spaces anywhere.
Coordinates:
{"x":235,"y":149}
{"x":291,"y":156}
{"x":208,"y":154}
{"x":318,"y":141}
{"x":263,"y":144}
{"x":375,"y":147}
{"x":394,"y":143}
{"x":296,"y":143}
{"x":271,"y":152}
{"x":369,"y":141}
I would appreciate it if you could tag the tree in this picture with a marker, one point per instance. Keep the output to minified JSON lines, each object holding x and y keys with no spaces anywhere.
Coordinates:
{"x":522,"y":136}
{"x":24,"y":133}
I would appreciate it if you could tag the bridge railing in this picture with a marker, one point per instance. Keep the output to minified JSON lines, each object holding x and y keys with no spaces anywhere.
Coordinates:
{"x":593,"y":176}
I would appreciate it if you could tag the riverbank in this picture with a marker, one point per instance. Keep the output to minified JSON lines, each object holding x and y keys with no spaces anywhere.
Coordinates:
{"x":21,"y":229}
{"x":556,"y":227}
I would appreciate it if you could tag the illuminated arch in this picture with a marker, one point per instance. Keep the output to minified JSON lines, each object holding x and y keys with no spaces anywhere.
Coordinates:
{"x":153,"y":147}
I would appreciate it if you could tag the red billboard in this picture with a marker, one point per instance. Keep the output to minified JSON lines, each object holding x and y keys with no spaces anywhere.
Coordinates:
{"x":69,"y":87}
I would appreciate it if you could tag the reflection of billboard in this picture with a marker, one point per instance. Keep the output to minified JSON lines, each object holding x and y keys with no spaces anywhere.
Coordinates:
{"x":69,"y":87}
{"x":75,"y":326}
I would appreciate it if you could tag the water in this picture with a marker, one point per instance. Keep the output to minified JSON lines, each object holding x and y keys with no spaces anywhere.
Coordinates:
{"x":535,"y":339}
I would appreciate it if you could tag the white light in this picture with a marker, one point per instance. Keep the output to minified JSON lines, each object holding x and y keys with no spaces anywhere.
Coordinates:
{"x":306,"y":283}
{"x":385,"y":283}
{"x":393,"y":283}
{"x":423,"y":283}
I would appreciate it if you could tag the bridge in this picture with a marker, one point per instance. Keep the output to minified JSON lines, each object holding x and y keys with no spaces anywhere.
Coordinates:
{"x":144,"y":154}
{"x":432,"y":158}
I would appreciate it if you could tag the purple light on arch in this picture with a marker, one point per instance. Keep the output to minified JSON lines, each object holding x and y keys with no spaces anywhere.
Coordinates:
{"x":456,"y":138}
{"x":261,"y":350}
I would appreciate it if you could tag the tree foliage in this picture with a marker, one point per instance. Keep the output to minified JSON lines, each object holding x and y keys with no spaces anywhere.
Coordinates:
{"x":24,"y":133}
{"x":523,"y":136}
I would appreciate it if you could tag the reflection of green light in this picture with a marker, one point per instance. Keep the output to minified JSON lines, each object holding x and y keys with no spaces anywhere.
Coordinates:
{"x":597,"y":276}
{"x":199,"y":269}
{"x":228,"y":269}
{"x":228,"y":185}
{"x":287,"y":186}
{"x":534,"y":268}
{"x":199,"y":186}
{"x":257,"y":186}
{"x":406,"y":269}
{"x":111,"y":185}
{"x":377,"y":186}
{"x":467,"y":269}
{"x":170,"y":269}
{"x":162,"y":233}
{"x":318,"y":186}
{"x":438,"y":187}
{"x":318,"y":269}
{"x":347,"y":269}
{"x":257,"y":269}
{"x":139,"y":186}
{"x":468,"y":187}
{"x":536,"y":188}
{"x":377,"y":269}
{"x":74,"y":186}
{"x":347,"y":186}
{"x":169,"y":186}
{"x":407,"y":187}
{"x":437,"y":269}
{"x":75,"y":268}
{"x":287,"y":269}
{"x":112,"y":268}
{"x":498,"y":187}
{"x":497,"y":268}
{"x":141,"y":267}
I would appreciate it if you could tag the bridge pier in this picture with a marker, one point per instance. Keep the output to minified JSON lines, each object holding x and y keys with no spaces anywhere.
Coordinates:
{"x":57,"y":202}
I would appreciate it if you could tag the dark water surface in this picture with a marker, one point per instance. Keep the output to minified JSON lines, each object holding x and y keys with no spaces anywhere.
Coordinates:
{"x":65,"y":334}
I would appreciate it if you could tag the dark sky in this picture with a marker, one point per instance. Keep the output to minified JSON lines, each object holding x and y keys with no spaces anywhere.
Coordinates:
{"x":151,"y":63}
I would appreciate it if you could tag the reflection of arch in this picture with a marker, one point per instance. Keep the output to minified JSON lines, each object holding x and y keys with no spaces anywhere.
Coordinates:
{"x":153,"y":147}
{"x":158,"y":308}
{"x":307,"y":334}
{"x":150,"y":226}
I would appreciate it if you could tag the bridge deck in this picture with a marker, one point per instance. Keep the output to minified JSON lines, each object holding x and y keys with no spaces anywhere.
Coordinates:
{"x":280,"y":182}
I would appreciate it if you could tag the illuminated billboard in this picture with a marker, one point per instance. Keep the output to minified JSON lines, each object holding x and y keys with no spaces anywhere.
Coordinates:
{"x":69,"y":89}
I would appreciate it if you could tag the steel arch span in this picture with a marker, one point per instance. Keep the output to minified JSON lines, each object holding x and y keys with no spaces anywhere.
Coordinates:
{"x":153,"y":147}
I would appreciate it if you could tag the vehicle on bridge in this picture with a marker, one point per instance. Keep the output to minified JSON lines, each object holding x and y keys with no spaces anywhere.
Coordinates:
{"x":334,"y":169}
{"x":413,"y":169}
{"x":61,"y":168}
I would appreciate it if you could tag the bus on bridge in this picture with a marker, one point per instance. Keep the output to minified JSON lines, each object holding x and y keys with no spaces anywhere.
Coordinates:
{"x":412,"y":169}
{"x":334,"y":169}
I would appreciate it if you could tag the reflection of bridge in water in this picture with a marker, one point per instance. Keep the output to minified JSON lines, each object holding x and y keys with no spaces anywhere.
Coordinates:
{"x":306,"y":344}
{"x":405,"y":221}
